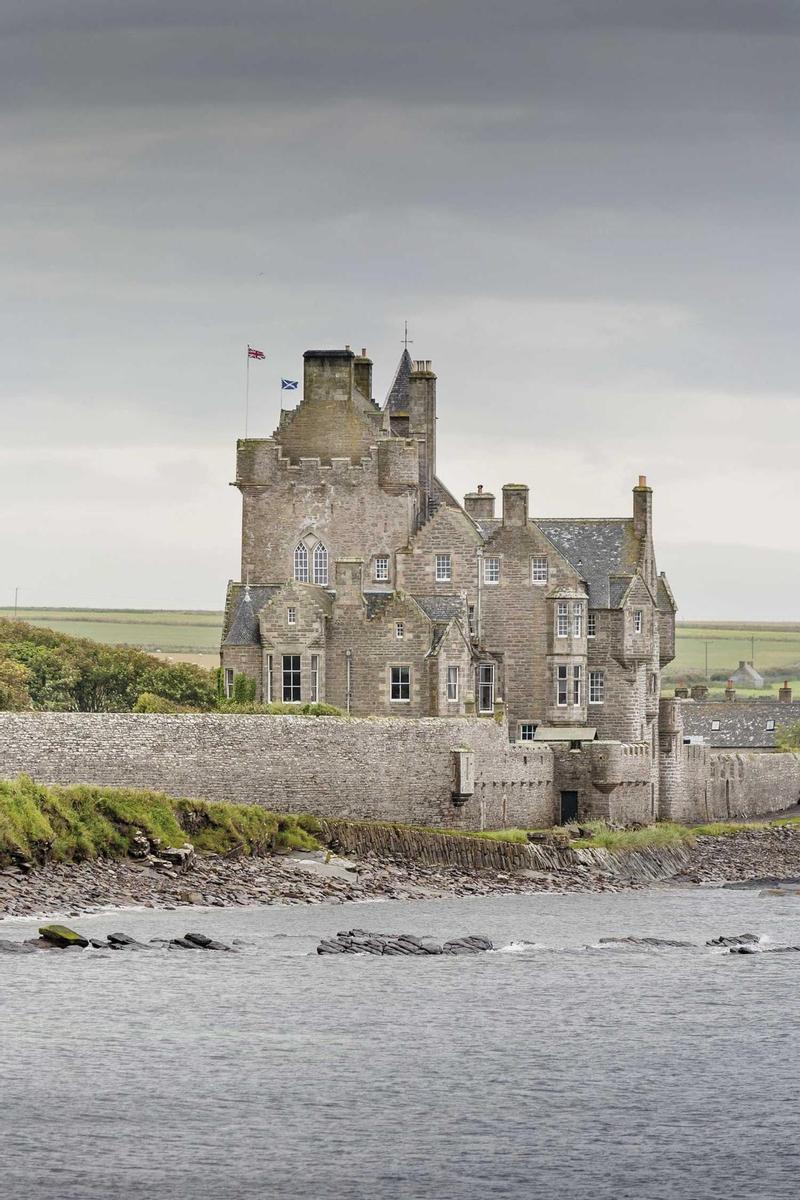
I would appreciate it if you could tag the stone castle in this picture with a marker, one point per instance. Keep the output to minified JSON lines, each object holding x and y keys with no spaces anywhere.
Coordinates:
{"x":367,"y":585}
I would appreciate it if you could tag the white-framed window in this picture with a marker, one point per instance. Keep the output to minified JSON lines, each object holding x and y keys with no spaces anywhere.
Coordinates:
{"x":577,"y":683}
{"x":452,"y":682}
{"x":715,"y":726}
{"x":562,"y":684}
{"x":399,"y":629}
{"x":314,"y":678}
{"x":539,"y":569}
{"x":400,"y":683}
{"x":577,"y":620}
{"x":291,"y":616}
{"x":591,"y":625}
{"x":597,"y":687}
{"x":291,"y":678}
{"x":320,"y":565}
{"x":562,"y":619}
{"x":526,"y":731}
{"x":381,"y":568}
{"x":443,"y":568}
{"x":491,"y":570}
{"x":229,"y":682}
{"x":486,"y":688}
{"x":638,"y":620}
{"x":301,"y":564}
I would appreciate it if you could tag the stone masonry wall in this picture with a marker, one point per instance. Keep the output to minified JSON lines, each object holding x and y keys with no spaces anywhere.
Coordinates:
{"x":379,"y":769}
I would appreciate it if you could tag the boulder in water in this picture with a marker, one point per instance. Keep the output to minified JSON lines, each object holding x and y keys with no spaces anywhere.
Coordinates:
{"x":60,"y":935}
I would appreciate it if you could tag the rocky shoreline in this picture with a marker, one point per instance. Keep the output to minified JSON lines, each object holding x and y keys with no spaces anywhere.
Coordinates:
{"x":318,"y":877}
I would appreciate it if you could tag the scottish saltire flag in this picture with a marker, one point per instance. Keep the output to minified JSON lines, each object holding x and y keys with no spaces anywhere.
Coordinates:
{"x":289,"y":385}
{"x":251,"y":353}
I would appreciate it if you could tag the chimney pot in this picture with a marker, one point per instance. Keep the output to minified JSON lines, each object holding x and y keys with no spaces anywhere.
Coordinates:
{"x":642,"y":481}
{"x":363,"y":351}
{"x":480,"y":488}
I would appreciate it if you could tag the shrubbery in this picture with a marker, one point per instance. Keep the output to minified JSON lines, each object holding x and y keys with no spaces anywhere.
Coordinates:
{"x":71,"y":824}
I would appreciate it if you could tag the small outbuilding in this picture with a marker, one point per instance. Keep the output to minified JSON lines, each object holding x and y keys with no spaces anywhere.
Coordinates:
{"x":747,"y":676}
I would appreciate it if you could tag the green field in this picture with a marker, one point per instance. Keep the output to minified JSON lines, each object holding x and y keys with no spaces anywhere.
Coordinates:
{"x":170,"y":632}
{"x":774,"y":648}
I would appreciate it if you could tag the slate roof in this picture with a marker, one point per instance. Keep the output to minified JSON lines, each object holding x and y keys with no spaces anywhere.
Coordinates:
{"x":397,"y":397}
{"x":564,"y":733}
{"x":598,"y":549}
{"x":441,"y":608}
{"x":742,"y":725}
{"x":243,"y":629}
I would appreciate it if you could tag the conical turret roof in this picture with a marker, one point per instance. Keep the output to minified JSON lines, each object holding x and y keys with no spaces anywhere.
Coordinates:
{"x":397,"y":397}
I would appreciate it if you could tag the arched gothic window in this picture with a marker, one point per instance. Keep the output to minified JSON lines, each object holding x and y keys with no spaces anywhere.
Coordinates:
{"x":301,"y":564}
{"x":320,"y":565}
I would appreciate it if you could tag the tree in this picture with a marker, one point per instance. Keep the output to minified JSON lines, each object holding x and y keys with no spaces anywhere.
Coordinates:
{"x":14,"y":694}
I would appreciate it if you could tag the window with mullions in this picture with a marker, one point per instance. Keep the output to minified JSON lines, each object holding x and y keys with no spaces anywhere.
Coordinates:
{"x":315,"y":678}
{"x":301,"y":564}
{"x":591,"y":625}
{"x":562,"y":619}
{"x":381,"y":568}
{"x":577,"y":620}
{"x":526,"y":731}
{"x":486,"y":688}
{"x":562,"y":682}
{"x":597,"y":687}
{"x":291,"y":678}
{"x":320,"y":565}
{"x":577,"y":683}
{"x":400,"y":688}
{"x":491,"y":570}
{"x":452,"y":683}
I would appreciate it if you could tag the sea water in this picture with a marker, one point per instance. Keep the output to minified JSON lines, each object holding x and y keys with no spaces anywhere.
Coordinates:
{"x":551,"y":1068}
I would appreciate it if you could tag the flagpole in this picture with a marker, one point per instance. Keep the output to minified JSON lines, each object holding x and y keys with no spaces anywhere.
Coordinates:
{"x":247,"y":390}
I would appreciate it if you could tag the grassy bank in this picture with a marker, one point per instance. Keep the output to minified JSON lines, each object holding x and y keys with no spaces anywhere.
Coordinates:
{"x":71,"y":824}
{"x":663,"y":833}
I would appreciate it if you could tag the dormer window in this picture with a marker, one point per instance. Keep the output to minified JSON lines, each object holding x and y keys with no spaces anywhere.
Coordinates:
{"x":320,"y":565}
{"x":301,"y":564}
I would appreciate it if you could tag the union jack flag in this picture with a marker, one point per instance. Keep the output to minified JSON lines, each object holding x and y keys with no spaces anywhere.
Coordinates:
{"x":251,"y":353}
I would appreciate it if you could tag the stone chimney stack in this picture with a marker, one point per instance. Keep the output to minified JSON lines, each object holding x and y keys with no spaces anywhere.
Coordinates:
{"x":785,"y":693}
{"x":642,"y":508}
{"x":480,"y":504}
{"x":730,"y":691}
{"x":328,"y":374}
{"x":422,"y":419}
{"x":681,"y":692}
{"x":699,"y":691}
{"x":362,"y":374}
{"x":515,"y":504}
{"x":349,"y":580}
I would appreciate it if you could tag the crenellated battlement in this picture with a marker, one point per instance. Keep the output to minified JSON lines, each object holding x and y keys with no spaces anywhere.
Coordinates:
{"x":260,"y":462}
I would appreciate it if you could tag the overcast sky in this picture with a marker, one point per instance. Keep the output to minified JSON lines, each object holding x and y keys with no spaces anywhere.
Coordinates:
{"x":586,"y":209}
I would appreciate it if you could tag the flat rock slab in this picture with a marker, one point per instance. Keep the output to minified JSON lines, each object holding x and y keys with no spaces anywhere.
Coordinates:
{"x":363,"y":941}
{"x":61,"y":935}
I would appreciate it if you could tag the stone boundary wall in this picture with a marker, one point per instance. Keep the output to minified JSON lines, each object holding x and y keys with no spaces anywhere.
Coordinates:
{"x":381,"y":769}
{"x":714,"y":785}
